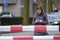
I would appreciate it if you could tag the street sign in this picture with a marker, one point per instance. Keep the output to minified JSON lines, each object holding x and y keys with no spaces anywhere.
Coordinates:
{"x":5,"y":3}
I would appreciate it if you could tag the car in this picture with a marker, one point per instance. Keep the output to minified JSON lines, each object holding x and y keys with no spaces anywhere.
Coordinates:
{"x":54,"y":18}
{"x":6,"y":14}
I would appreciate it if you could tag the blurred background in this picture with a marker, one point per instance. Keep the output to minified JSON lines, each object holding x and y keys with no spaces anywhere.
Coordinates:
{"x":20,"y":12}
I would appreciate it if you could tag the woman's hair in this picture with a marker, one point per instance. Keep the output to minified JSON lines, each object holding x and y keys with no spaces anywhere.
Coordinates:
{"x":40,"y":9}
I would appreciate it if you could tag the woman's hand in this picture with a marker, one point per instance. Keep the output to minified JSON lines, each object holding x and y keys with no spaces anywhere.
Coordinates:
{"x":41,"y":21}
{"x":38,"y":21}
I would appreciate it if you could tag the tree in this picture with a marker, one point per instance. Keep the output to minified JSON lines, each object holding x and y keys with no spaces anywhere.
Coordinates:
{"x":39,"y":3}
{"x":49,"y":5}
{"x":42,"y":3}
{"x":26,"y":12}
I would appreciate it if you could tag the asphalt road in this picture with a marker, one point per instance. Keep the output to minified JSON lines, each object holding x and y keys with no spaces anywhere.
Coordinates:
{"x":18,"y":34}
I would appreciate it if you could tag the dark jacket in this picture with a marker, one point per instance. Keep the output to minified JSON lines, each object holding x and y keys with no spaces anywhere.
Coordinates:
{"x":41,"y":16}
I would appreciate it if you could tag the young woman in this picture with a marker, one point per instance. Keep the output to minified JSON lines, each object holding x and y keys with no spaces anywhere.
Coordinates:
{"x":39,"y":18}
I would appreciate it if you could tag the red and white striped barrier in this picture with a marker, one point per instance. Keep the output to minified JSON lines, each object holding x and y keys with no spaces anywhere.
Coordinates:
{"x":18,"y":28}
{"x":29,"y":37}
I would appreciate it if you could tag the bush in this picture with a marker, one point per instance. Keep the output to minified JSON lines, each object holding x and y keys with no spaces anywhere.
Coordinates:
{"x":13,"y":21}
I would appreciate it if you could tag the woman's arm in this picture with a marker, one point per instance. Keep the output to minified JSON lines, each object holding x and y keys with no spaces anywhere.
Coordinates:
{"x":45,"y":19}
{"x":33,"y":22}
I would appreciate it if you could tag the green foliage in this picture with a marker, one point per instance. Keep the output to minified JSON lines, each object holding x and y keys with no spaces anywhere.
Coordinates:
{"x":14,"y":21}
{"x":11,"y":21}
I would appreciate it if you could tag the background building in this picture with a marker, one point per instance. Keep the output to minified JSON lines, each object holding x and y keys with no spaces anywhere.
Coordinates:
{"x":17,"y":6}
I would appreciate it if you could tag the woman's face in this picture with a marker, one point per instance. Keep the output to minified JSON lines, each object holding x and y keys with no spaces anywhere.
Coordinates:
{"x":39,"y":11}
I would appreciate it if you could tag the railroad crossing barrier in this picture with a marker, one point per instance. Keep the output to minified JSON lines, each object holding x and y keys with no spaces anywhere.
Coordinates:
{"x":51,"y":29}
{"x":29,"y":37}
